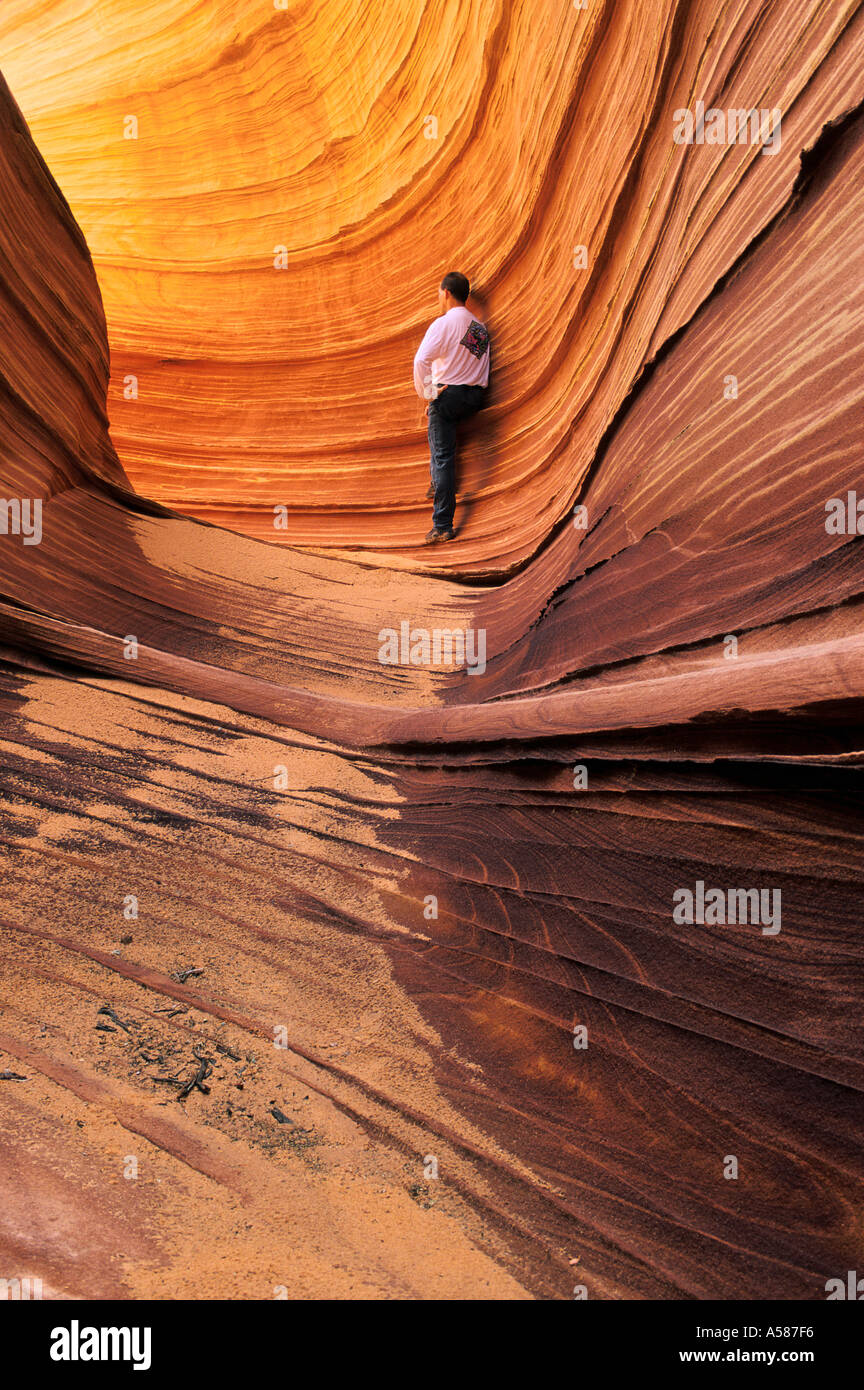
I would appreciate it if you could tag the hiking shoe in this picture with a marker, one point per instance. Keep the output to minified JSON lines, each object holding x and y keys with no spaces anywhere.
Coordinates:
{"x":434,"y":536}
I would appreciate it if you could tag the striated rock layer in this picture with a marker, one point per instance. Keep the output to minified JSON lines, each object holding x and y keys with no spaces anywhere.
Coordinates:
{"x":392,"y":870}
{"x":362,"y":152}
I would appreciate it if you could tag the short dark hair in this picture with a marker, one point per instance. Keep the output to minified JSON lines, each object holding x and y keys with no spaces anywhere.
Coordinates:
{"x":457,"y":284}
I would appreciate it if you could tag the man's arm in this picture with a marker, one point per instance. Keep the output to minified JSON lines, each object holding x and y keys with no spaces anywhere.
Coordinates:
{"x":429,"y":349}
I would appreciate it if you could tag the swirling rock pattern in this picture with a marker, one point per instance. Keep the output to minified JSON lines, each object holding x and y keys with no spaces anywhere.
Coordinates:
{"x":284,"y":807}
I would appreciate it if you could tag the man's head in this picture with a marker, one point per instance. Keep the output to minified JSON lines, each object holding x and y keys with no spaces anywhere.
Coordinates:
{"x":454,"y":291}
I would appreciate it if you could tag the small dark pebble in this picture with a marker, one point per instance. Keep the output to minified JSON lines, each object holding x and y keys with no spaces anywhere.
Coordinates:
{"x":284,"y":1120}
{"x":109,"y":1012}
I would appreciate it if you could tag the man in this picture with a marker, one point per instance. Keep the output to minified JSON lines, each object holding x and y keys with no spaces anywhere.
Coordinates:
{"x":451,"y":372}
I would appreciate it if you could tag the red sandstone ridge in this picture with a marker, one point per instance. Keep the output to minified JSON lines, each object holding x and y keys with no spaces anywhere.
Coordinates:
{"x":202,"y":725}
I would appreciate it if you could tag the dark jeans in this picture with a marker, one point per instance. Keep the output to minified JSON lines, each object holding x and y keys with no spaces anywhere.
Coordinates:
{"x":453,"y":404}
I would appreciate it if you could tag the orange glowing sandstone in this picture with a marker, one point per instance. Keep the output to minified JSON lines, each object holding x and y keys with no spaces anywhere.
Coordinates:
{"x":671,"y":687}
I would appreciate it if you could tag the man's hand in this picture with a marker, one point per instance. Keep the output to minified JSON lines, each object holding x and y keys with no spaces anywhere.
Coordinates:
{"x":438,"y":389}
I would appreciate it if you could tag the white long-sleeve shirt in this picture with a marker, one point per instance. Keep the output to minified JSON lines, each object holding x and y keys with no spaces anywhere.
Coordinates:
{"x":454,"y":352}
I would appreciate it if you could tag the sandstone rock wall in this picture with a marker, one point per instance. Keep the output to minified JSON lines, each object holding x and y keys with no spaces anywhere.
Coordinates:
{"x":692,"y":648}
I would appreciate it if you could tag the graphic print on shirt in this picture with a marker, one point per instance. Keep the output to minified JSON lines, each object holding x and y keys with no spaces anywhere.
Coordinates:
{"x":476,"y":338}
